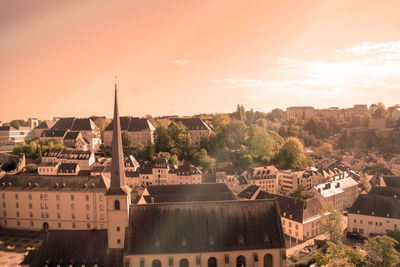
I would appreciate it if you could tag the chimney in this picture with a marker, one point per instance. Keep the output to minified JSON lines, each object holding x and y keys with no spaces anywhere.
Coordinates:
{"x":152,"y":200}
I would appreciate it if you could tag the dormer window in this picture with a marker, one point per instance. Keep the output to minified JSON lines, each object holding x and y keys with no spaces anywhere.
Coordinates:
{"x":211,"y":240}
{"x":157,"y":243}
{"x":183,"y":242}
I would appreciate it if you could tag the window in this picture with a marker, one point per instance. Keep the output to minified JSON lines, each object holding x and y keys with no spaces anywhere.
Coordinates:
{"x":87,"y":197}
{"x":119,"y":241}
{"x":361,"y":221}
{"x":361,"y":231}
{"x":30,"y":205}
{"x":226,"y":258}
{"x":30,"y":197}
{"x":73,"y":215}
{"x":101,"y":198}
{"x":370,"y":222}
{"x":4,"y":204}
{"x":118,"y":229}
{"x":290,"y":224}
{"x":73,"y":225}
{"x":31,"y":214}
{"x":141,"y":262}
{"x":17,"y":213}
{"x":117,"y":205}
{"x":3,"y":195}
{"x":59,"y":225}
{"x":16,"y":195}
{"x":72,"y":206}
{"x":58,"y":206}
{"x":18,"y":223}
{"x":72,"y":197}
{"x":87,"y":207}
{"x":101,"y":207}
{"x":31,"y":223}
{"x":58,"y":197}
{"x":58,"y":215}
{"x":101,"y":216}
{"x":283,"y":222}
{"x":88,"y":225}
{"x":297,"y":227}
{"x":156,"y":263}
{"x":355,"y":221}
{"x":170,"y":261}
{"x":88,"y":216}
{"x":4,"y":214}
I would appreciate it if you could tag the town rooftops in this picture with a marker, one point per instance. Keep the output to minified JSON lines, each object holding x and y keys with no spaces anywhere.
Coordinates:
{"x":51,"y":183}
{"x":377,"y":205}
{"x":187,"y":193}
{"x":75,"y":248}
{"x":193,"y":123}
{"x":391,"y":180}
{"x":68,"y":167}
{"x":75,"y":124}
{"x":45,"y":125}
{"x":185,"y":169}
{"x":204,"y":227}
{"x":295,"y":209}
{"x":54,"y":133}
{"x":72,"y":135}
{"x":335,"y":187}
{"x":132,"y":124}
{"x":7,"y":128}
{"x":248,"y":192}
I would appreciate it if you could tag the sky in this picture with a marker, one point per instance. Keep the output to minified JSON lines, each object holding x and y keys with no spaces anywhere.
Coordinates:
{"x":175,"y":57}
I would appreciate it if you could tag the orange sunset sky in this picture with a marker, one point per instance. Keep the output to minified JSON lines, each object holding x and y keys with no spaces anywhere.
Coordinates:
{"x":59,"y":58}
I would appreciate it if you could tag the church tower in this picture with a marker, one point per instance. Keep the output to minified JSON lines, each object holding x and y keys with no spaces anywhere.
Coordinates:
{"x":118,"y":194}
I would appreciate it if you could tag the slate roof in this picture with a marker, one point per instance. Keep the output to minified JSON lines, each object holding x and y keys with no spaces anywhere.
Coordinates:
{"x":7,"y":128}
{"x":132,"y":124}
{"x":53,"y":133}
{"x":52,"y":153}
{"x":67,"y":167}
{"x":208,"y":178}
{"x":72,"y":135}
{"x":378,"y":205}
{"x":391,"y":180}
{"x":248,"y":192}
{"x":185,"y":169}
{"x":37,"y":182}
{"x":76,"y":247}
{"x":189,"y":192}
{"x":75,"y":124}
{"x":295,"y":209}
{"x":198,"y":227}
{"x":45,"y":125}
{"x":193,"y":123}
{"x":79,"y":154}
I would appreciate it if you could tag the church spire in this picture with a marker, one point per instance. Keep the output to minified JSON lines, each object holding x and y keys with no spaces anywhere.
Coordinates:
{"x":117,"y":183}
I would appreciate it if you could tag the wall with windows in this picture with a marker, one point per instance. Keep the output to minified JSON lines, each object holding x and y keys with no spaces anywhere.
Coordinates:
{"x":370,"y":224}
{"x":32,"y":210}
{"x":224,"y":258}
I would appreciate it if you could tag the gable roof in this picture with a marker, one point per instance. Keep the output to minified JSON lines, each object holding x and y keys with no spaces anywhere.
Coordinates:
{"x":295,"y":209}
{"x":204,"y":227}
{"x":248,"y":192}
{"x":7,"y":128}
{"x":63,"y":124}
{"x":74,"y":124}
{"x":72,"y":135}
{"x":76,"y":247}
{"x":37,"y":182}
{"x":53,"y":133}
{"x":193,"y":123}
{"x":391,"y":180}
{"x":188,"y":193}
{"x":379,"y":205}
{"x":45,"y":125}
{"x":132,"y":124}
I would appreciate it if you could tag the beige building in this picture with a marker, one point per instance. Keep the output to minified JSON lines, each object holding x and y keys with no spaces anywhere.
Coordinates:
{"x":85,"y":159}
{"x":196,"y":128}
{"x":300,"y":113}
{"x":340,"y":192}
{"x":211,"y":233}
{"x":266,"y":177}
{"x":141,"y":131}
{"x":377,"y":212}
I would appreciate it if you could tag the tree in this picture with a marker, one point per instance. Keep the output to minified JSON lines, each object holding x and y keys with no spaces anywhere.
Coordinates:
{"x":291,"y":155}
{"x":162,"y":139}
{"x":324,"y":150}
{"x":173,"y":160}
{"x":261,"y":144}
{"x":240,"y":113}
{"x":365,"y":120}
{"x":31,"y":168}
{"x":381,"y":251}
{"x":201,"y":158}
{"x":220,"y":122}
{"x":276,"y":114}
{"x":301,"y":193}
{"x":9,"y":166}
{"x":332,"y":224}
{"x":380,"y":111}
{"x":126,"y":139}
{"x":339,"y":255}
{"x":177,"y":134}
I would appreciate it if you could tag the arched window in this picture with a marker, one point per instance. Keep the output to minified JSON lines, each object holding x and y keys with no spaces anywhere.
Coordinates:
{"x":183,"y":263}
{"x":268,"y":260}
{"x":241,"y":261}
{"x":116,"y":205}
{"x":212,"y":262}
{"x":156,"y":263}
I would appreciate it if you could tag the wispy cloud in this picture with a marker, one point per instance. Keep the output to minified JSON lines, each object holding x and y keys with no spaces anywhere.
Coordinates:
{"x":180,"y":62}
{"x":370,"y":68}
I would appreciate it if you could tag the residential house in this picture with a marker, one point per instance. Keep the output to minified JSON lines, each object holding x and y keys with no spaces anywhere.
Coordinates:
{"x":196,"y":128}
{"x":141,"y":131}
{"x":75,"y":140}
{"x":266,"y":177}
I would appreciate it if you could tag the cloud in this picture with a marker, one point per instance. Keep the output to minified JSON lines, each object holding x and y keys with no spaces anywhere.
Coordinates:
{"x":369,"y":69}
{"x":180,"y":62}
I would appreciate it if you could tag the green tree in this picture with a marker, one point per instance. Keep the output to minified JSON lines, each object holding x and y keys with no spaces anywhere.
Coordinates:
{"x":174,"y":160}
{"x":332,"y":224}
{"x":31,"y":168}
{"x":177,"y":134}
{"x":324,"y":150}
{"x":204,"y":160}
{"x":380,"y":111}
{"x":380,"y":251}
{"x":220,"y":122}
{"x":126,"y":139}
{"x":365,"y":120}
{"x":162,"y":140}
{"x":240,"y":113}
{"x":291,"y":155}
{"x":339,"y":255}
{"x":261,"y":144}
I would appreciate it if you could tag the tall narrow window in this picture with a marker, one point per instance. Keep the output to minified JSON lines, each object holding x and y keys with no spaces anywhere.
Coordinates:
{"x":117,"y":205}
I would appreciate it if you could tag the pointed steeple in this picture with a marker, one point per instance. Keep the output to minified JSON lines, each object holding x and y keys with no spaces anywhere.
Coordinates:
{"x":117,"y":183}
